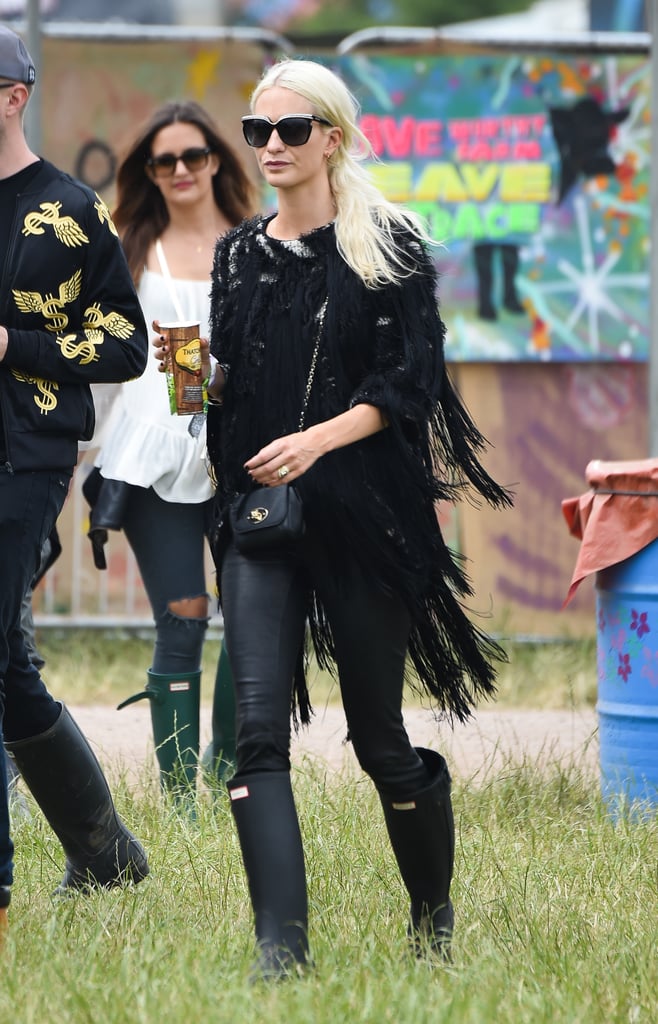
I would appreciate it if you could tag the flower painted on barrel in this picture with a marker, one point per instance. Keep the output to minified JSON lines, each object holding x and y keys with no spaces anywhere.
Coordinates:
{"x":639,"y":622}
{"x":650,"y":669}
{"x":618,"y":640}
{"x":601,"y":619}
{"x":614,"y":616}
{"x":624,"y":668}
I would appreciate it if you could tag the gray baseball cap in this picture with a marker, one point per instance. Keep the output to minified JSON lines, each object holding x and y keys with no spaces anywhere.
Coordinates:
{"x":15,"y":61}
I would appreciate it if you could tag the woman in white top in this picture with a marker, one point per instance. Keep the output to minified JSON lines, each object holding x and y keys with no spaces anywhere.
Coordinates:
{"x":179,"y":188}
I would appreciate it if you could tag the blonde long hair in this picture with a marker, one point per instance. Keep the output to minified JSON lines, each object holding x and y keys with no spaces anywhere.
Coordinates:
{"x":365,"y":220}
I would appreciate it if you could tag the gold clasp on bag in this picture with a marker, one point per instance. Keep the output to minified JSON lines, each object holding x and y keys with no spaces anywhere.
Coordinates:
{"x":257,"y":515}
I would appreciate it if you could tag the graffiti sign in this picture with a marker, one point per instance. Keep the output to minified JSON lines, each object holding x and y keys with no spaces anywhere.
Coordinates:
{"x":533,"y":173}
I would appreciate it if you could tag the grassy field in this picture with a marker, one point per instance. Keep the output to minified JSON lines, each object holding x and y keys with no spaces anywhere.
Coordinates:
{"x":555,"y":902}
{"x":95,"y":667}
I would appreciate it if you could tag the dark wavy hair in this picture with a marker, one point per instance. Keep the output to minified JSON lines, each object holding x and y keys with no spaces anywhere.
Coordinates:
{"x":141,"y":213}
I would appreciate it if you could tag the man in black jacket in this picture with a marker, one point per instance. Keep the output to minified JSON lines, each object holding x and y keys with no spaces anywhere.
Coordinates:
{"x":69,"y":316}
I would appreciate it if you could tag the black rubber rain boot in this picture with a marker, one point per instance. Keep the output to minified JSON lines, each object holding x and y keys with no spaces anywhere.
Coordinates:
{"x":219,"y":756}
{"x":266,"y":819}
{"x":422,"y":833}
{"x":174,"y":700}
{"x":62,"y":773}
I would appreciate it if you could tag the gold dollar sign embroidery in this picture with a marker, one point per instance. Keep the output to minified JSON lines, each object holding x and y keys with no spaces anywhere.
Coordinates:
{"x":83,"y":349}
{"x":48,"y":401}
{"x":114,"y":323}
{"x":66,"y":229}
{"x":33,"y":223}
{"x":104,"y":215}
{"x":51,"y":306}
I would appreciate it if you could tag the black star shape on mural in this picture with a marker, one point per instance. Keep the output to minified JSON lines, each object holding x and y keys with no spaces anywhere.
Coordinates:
{"x":582,"y":134}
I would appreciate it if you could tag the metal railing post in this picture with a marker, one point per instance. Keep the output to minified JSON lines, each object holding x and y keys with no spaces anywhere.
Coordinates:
{"x":33,"y":109}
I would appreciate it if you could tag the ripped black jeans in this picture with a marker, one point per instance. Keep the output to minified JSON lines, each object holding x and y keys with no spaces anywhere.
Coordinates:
{"x":167,"y":539}
{"x":264,"y":602}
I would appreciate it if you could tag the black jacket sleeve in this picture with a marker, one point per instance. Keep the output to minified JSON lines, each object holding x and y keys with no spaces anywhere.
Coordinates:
{"x":109,"y":341}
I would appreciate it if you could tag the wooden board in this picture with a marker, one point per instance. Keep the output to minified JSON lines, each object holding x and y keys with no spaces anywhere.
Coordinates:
{"x":546,"y":423}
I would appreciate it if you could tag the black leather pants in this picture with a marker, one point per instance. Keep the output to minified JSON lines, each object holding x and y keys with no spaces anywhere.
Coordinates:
{"x":265,"y":606}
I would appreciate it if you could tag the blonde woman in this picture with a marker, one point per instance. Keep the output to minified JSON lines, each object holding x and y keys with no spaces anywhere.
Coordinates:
{"x":328,"y":305}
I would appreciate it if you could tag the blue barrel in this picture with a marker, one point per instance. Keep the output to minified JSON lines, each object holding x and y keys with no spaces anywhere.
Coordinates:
{"x":627,"y":661}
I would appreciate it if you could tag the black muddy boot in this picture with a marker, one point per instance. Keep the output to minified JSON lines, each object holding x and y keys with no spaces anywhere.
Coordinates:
{"x":422,"y":833}
{"x":66,"y":780}
{"x":264,"y":810}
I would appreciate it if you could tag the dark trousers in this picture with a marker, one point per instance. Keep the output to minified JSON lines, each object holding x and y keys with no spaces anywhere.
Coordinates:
{"x":30,"y":503}
{"x":265,"y":606}
{"x":167,"y":539}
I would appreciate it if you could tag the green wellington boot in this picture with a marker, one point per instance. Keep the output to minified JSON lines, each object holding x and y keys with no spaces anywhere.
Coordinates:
{"x":218,"y":759}
{"x":175,"y":701}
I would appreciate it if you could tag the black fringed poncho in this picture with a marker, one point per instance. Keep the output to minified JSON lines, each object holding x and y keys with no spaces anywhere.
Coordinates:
{"x":373,"y":501}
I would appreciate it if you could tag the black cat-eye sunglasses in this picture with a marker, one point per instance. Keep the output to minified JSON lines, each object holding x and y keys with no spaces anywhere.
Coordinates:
{"x":292,"y":129}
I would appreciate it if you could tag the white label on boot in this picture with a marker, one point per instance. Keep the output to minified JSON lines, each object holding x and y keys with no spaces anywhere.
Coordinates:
{"x":410,"y":806}
{"x":239,"y":793}
{"x":179,"y":687}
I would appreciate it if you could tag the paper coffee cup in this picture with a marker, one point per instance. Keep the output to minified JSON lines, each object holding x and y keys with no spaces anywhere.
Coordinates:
{"x":185,"y":379}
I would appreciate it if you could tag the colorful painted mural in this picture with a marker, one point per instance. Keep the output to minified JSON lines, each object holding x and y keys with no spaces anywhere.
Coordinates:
{"x":533,"y":171}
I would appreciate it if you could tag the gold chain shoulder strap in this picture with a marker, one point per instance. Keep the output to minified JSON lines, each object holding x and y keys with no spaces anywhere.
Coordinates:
{"x":314,"y":360}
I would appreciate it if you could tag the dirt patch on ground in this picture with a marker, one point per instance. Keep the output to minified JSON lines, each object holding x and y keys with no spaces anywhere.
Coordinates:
{"x":486,"y":745}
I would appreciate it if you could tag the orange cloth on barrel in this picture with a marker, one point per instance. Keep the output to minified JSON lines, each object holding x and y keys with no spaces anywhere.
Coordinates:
{"x":615,"y":526}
